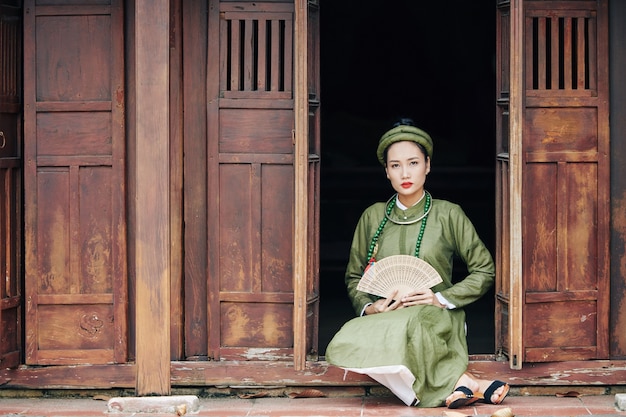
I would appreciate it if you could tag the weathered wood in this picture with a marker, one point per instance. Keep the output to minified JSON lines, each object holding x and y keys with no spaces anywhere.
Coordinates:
{"x":152,"y":238}
{"x":264,"y":373}
{"x":10,"y":185}
{"x":503,"y":222}
{"x":301,"y":242}
{"x":515,"y":170}
{"x":215,"y":84}
{"x":250,"y":177}
{"x":177,"y":308}
{"x":566,"y":183}
{"x":195,"y":174}
{"x":10,"y":261}
{"x":313,"y":184}
{"x":74,"y":184}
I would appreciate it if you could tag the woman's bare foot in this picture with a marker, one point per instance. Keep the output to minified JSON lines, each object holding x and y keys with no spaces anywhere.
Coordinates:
{"x":478,"y":386}
{"x":495,"y":396}
{"x":466,"y":380}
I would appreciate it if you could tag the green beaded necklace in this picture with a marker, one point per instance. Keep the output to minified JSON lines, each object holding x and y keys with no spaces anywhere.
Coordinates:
{"x":381,"y":226}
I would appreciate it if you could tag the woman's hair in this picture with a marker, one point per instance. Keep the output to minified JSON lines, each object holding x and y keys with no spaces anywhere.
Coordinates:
{"x":406,"y":121}
{"x":403,"y":121}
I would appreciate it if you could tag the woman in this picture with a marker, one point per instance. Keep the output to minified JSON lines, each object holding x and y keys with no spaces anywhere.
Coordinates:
{"x":417,"y":348}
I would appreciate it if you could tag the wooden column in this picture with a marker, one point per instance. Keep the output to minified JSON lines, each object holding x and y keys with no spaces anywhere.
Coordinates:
{"x":515,"y":155}
{"x":152,"y":198}
{"x":301,"y":110}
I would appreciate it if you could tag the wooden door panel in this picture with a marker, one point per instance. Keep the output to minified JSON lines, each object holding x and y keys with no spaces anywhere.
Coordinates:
{"x":251,"y":177}
{"x":565,"y":182}
{"x":567,"y":330}
{"x":10,"y":184}
{"x":70,"y":134}
{"x":74,"y":184}
{"x":507,"y":305}
{"x":256,"y":131}
{"x":81,"y":35}
{"x":8,"y":130}
{"x":255,"y":226}
{"x":250,"y":190}
{"x":313,"y":136}
{"x":257,"y":325}
{"x":561,"y":129}
{"x":76,"y":240}
{"x":10,"y":263}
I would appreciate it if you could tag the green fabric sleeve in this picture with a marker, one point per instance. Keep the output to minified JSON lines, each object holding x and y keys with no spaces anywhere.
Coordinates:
{"x":358,"y":256}
{"x":470,"y":248}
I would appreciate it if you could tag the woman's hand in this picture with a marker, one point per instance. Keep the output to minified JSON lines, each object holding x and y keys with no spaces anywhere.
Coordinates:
{"x":425,"y":297}
{"x":384,"y":304}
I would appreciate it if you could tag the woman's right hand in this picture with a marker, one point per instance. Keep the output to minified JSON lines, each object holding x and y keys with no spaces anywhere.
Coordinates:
{"x":384,"y":304}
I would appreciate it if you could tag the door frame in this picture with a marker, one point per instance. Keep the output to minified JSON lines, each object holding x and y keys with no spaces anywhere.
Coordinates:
{"x":317,"y":373}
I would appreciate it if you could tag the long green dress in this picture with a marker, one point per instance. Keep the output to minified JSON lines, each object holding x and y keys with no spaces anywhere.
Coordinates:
{"x":423,"y":346}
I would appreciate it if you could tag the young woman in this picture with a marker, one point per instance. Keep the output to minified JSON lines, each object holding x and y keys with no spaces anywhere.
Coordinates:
{"x":415,"y":345}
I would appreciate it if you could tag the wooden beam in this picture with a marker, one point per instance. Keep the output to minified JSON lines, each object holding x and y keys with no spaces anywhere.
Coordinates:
{"x":152,"y":198}
{"x":266,"y":373}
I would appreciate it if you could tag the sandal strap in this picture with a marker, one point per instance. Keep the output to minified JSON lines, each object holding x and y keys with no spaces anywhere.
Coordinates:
{"x":492,"y":388}
{"x":465,"y":391}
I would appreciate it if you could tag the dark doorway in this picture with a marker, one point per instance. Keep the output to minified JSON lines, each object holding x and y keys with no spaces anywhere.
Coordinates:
{"x":429,"y":60}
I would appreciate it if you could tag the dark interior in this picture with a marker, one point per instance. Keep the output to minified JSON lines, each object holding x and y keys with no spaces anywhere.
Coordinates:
{"x":431,"y":61}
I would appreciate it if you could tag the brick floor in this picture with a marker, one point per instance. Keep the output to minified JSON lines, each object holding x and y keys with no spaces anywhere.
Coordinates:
{"x":364,"y":406}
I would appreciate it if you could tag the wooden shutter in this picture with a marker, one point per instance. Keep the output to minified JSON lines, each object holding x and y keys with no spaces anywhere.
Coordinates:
{"x":566,"y":181}
{"x":75,"y":229}
{"x":250,"y":154}
{"x":553,"y":181}
{"x":313,"y":135}
{"x":10,"y":184}
{"x":508,"y":314}
{"x":307,"y":166}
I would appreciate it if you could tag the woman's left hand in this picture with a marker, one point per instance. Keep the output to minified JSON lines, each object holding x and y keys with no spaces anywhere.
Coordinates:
{"x":425,"y":297}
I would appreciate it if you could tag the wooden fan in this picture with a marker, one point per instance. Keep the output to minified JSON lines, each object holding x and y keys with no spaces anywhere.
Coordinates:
{"x":404,"y":273}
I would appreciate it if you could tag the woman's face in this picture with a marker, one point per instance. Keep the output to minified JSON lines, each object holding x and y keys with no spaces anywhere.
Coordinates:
{"x":406,"y":168}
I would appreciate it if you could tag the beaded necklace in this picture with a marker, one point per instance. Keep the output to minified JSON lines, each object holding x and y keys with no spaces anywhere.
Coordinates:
{"x":420,"y":236}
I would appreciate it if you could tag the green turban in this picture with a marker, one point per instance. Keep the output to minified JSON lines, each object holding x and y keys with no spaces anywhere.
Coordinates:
{"x":401,"y":133}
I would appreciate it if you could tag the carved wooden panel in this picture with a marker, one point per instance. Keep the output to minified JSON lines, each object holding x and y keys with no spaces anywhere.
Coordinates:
{"x":74,"y":184}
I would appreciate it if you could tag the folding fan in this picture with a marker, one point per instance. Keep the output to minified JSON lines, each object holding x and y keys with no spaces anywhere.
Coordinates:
{"x":404,"y":273}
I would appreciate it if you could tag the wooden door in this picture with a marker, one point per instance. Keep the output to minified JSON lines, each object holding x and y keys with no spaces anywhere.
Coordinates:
{"x":250,"y":154}
{"x":10,"y":183}
{"x":251,"y":188}
{"x":313,"y":141}
{"x":504,"y":311}
{"x":553,"y":288}
{"x":74,"y":192}
{"x":307,"y":181}
{"x":566,"y":181}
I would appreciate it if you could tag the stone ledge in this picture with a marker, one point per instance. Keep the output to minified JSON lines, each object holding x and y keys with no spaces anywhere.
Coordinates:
{"x":177,"y":405}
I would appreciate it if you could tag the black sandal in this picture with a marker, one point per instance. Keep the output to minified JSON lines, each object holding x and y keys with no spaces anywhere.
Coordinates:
{"x":467,"y":398}
{"x":492,"y":389}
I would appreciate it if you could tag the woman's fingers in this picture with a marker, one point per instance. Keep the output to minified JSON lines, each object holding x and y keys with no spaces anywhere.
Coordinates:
{"x":419,"y":297}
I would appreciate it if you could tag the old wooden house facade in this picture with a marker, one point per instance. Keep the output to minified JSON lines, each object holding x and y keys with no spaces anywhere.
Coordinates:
{"x":160,"y":194}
